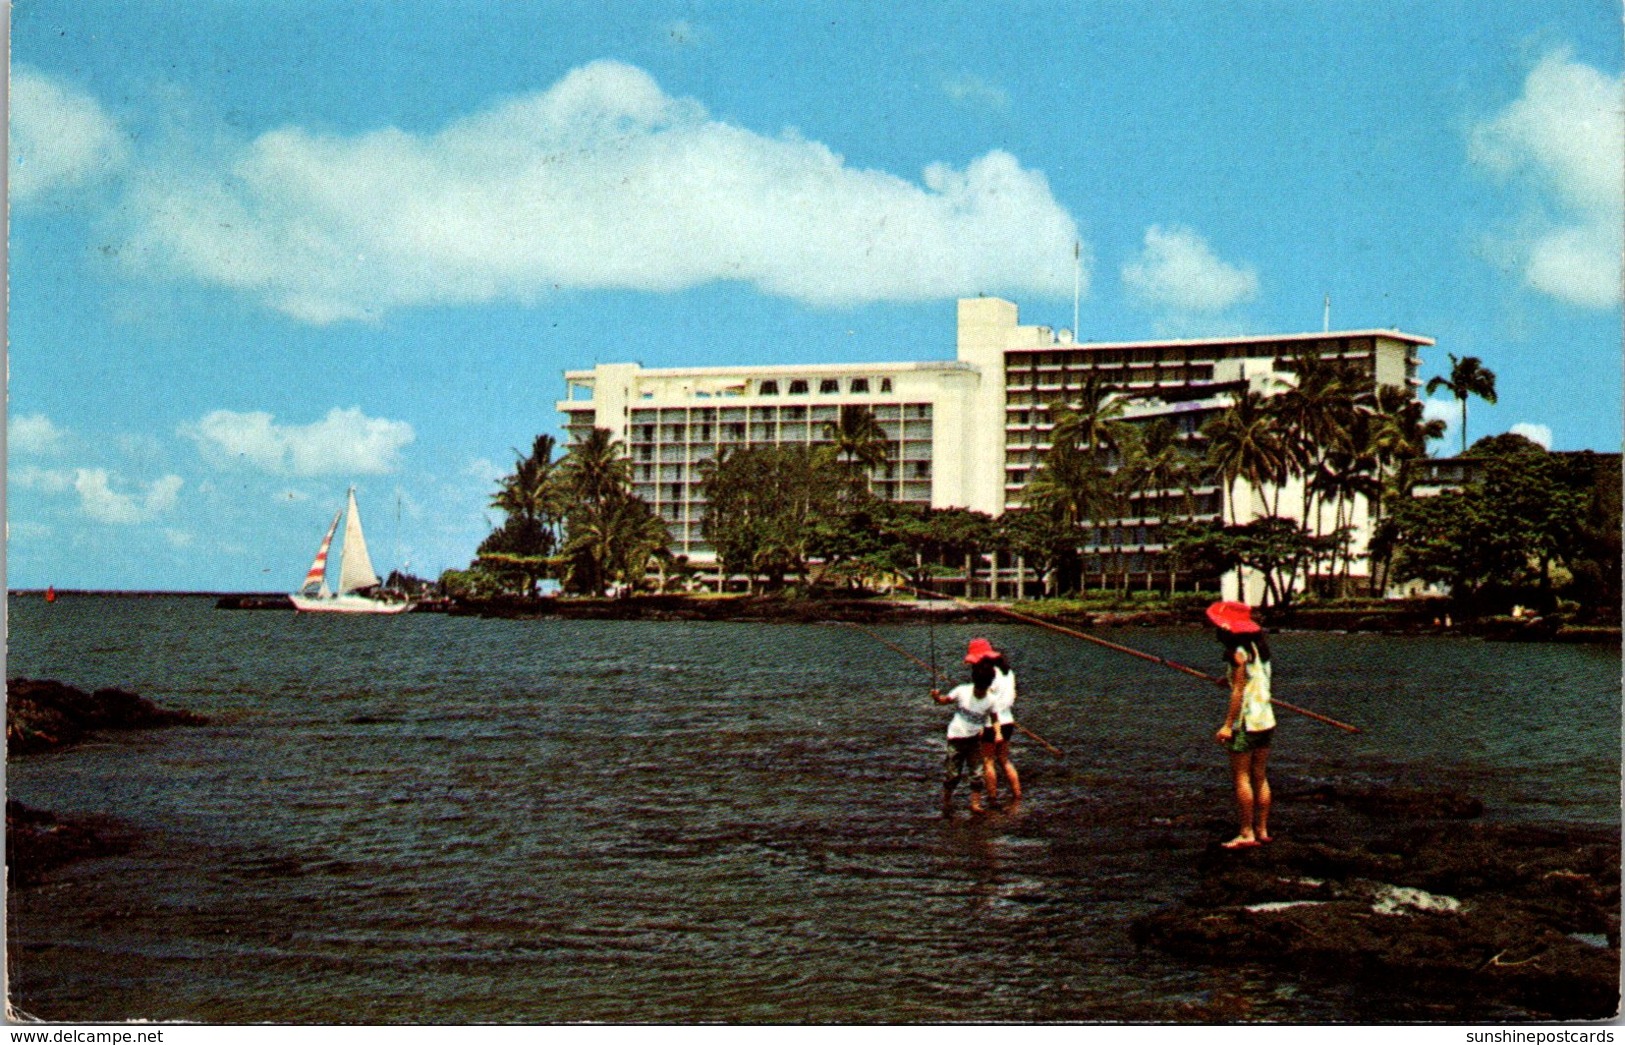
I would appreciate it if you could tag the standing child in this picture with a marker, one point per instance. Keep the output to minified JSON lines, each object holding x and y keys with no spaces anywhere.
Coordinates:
{"x":973,"y":704}
{"x":1001,"y":726}
{"x":1249,"y":721}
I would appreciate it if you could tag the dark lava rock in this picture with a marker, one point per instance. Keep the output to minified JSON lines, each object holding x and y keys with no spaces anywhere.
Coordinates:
{"x":1396,"y":802}
{"x":37,"y":841}
{"x":42,"y":715}
{"x":1502,"y":912}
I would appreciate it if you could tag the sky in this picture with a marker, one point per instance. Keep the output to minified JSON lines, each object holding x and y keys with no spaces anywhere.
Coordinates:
{"x":260,"y":252}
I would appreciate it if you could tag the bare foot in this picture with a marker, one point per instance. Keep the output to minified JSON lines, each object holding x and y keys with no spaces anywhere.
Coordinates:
{"x":1240,"y":842}
{"x":1265,"y":839}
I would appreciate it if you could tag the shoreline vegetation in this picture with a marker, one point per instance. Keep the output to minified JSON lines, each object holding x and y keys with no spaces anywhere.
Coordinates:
{"x":1376,"y":616}
{"x":1407,"y":891}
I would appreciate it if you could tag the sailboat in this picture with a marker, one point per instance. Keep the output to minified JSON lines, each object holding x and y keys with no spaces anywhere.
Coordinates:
{"x":356,"y":575}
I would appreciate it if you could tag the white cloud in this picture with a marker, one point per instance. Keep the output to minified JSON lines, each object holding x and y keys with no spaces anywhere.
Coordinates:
{"x":602,"y":181}
{"x":975,"y":90}
{"x":1446,"y":409}
{"x":1564,"y":137}
{"x":45,"y":480}
{"x":59,"y":136}
{"x":101,"y":502}
{"x":1178,"y":270}
{"x":1541,"y":434}
{"x":345,"y":442}
{"x":33,"y":434}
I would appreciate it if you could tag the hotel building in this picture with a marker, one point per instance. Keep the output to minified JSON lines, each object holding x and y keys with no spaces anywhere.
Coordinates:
{"x":969,"y":432}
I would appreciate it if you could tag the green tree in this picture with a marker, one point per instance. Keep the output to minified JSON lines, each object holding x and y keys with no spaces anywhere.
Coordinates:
{"x":1245,"y":442}
{"x":609,"y":534}
{"x":1468,"y":377}
{"x":520,"y":550}
{"x":762,"y":504}
{"x":858,"y":438}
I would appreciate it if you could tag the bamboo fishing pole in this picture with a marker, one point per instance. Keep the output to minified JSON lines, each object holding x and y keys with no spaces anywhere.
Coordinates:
{"x":939,"y":676}
{"x":1164,"y":661}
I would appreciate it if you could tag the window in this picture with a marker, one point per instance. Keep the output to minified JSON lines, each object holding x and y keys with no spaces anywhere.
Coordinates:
{"x":648,"y":433}
{"x":768,"y":388}
{"x":860,"y":385}
{"x":677,"y":491}
{"x":885,"y":384}
{"x":828,"y":386}
{"x":798,"y":387}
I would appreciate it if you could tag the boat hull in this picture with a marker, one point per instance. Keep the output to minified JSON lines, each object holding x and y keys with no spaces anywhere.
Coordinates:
{"x":346,"y":604}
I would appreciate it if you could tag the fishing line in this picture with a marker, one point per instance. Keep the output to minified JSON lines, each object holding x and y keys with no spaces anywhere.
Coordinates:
{"x":1164,"y":661}
{"x":938,"y":676}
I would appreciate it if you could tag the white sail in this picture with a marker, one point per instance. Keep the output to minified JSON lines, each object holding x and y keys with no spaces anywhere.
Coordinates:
{"x":355,"y":568}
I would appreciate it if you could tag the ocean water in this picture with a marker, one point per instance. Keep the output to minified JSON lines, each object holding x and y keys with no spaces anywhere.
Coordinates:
{"x":430,"y":819}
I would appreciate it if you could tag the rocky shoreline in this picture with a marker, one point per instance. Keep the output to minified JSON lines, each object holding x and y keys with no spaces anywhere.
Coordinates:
{"x":1407,"y":892}
{"x":42,"y":716}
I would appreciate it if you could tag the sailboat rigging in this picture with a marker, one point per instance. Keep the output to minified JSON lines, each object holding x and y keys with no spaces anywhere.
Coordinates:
{"x":358,"y":590}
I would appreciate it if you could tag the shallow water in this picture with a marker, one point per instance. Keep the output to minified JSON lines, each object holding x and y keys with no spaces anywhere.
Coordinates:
{"x":444,"y":819}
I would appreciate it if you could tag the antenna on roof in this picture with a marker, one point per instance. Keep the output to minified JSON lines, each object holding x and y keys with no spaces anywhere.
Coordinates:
{"x":1077,"y":282}
{"x":1326,"y":316}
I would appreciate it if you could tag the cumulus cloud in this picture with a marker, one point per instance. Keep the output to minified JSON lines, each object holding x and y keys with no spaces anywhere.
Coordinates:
{"x":1541,"y":434}
{"x":59,"y":137}
{"x":1178,"y":270}
{"x":345,"y":442}
{"x":101,"y":502}
{"x":1563,"y":138}
{"x":45,"y":480}
{"x":602,"y":181}
{"x":33,"y":434}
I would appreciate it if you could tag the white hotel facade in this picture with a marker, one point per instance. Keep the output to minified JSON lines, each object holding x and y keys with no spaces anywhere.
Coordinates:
{"x":967,"y":432}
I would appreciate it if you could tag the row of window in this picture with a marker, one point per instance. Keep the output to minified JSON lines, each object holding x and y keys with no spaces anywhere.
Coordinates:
{"x":1183,"y":354}
{"x":1156,"y":373}
{"x":714,"y":415}
{"x":800,"y":386}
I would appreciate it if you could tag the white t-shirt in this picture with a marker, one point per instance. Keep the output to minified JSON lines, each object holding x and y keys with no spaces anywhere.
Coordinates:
{"x":970,"y":711}
{"x":1004,"y":695}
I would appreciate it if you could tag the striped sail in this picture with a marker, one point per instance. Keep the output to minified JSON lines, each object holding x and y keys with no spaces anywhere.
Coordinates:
{"x":355,"y":568}
{"x":316,"y":577}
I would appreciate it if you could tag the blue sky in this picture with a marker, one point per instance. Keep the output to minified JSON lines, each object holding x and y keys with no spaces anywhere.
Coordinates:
{"x":262,"y":251}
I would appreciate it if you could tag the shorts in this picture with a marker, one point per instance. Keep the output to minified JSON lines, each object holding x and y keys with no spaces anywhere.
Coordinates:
{"x":963,"y":753}
{"x":1005,"y":731}
{"x":1243,"y":741}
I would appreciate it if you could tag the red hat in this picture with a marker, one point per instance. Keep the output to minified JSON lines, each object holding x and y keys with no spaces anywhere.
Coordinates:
{"x":1234,"y":617}
{"x":980,"y":649}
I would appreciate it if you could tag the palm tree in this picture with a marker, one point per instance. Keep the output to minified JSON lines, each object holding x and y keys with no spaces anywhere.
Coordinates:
{"x":1095,"y":423}
{"x":1155,"y":463}
{"x":1315,"y":418}
{"x":1468,"y":377}
{"x":595,"y":468}
{"x":1245,"y":443}
{"x":858,"y":437}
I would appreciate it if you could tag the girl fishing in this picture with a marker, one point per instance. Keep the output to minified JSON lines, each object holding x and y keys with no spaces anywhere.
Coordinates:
{"x":974,"y":705}
{"x":1249,"y":721}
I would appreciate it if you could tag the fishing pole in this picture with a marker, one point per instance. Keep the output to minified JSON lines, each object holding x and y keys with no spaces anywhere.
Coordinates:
{"x":1164,"y":661}
{"x":939,"y":676}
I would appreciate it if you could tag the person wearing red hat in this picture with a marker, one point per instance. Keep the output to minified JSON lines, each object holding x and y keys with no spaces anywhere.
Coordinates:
{"x":1000,"y":728}
{"x":973,"y":705}
{"x":1249,"y":721}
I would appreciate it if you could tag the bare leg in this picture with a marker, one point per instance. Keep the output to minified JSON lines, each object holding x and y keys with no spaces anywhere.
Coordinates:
{"x":1241,"y":772}
{"x":1261,"y":795}
{"x":1009,"y":768}
{"x":990,"y":771}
